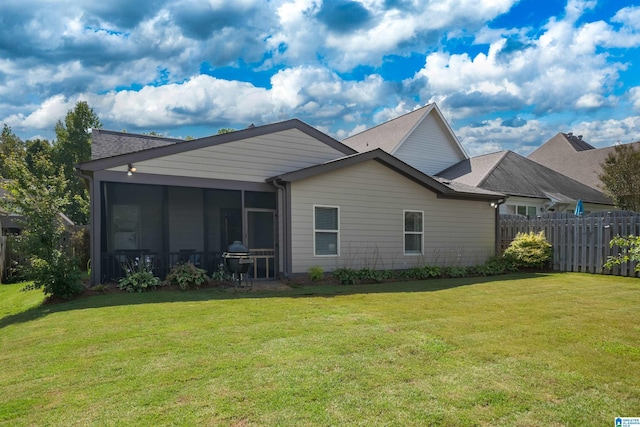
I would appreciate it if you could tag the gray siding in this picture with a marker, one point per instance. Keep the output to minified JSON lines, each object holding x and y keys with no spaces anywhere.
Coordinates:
{"x":429,"y":148}
{"x":372,"y":199}
{"x":250,"y":160}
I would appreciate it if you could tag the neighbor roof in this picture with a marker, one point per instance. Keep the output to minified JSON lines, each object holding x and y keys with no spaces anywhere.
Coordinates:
{"x":167,"y":146}
{"x":577,"y":142}
{"x":515,"y":175}
{"x":571,"y":156}
{"x":440,"y":187}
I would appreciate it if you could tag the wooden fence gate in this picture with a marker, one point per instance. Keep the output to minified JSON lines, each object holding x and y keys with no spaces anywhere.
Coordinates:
{"x":580,"y":243}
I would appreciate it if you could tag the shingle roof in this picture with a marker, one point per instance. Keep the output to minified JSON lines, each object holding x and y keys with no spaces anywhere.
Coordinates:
{"x":388,"y":135}
{"x":577,"y":142}
{"x":572,"y":158}
{"x":473,"y":171}
{"x":107,"y":143}
{"x":510,"y":173}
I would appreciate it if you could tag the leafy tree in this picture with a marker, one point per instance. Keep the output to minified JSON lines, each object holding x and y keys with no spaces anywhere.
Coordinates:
{"x":630,"y":251}
{"x":73,"y":146}
{"x":39,"y":200}
{"x":38,"y":148}
{"x":225,"y":130}
{"x":10,"y":147}
{"x":621,"y":177}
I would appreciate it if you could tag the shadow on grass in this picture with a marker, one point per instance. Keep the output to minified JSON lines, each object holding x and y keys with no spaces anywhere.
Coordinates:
{"x":209,"y":294}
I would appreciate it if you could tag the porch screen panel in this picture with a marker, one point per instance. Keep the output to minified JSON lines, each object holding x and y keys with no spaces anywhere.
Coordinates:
{"x":223,"y":215}
{"x":134,"y":217}
{"x":186,"y":223}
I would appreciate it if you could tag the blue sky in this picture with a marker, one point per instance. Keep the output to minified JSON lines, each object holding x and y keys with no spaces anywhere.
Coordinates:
{"x":507,"y":74}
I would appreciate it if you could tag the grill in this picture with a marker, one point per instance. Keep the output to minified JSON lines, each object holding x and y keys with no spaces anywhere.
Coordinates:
{"x":237,"y":259}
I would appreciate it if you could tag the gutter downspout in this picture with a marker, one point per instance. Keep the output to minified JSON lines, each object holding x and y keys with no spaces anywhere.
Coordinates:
{"x":496,"y":206}
{"x":95,"y":265}
{"x":285,"y":220}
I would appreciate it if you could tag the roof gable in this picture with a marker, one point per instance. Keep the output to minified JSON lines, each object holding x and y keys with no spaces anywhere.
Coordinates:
{"x":573,"y":157}
{"x":165,"y":147}
{"x":392,"y":135}
{"x":441,"y":188}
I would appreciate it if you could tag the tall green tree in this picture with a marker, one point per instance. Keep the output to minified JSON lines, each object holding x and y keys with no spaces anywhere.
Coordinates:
{"x":621,"y":177}
{"x":35,"y":149}
{"x":39,"y":200}
{"x":73,"y":146}
{"x":11,"y":147}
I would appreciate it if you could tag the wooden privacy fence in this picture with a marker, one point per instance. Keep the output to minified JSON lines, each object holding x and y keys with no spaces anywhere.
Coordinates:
{"x":580,"y":243}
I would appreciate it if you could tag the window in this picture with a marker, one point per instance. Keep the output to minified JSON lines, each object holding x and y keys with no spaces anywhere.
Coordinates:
{"x":413,"y":232}
{"x":326,"y":230}
{"x":522,"y":210}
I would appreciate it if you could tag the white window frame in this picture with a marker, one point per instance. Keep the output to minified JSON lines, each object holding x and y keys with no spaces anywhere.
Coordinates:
{"x":337,"y":232}
{"x":405,"y":232}
{"x":526,"y":208}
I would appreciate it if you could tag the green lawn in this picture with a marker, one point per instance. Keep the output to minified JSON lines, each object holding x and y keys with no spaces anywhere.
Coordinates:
{"x":517,"y":350}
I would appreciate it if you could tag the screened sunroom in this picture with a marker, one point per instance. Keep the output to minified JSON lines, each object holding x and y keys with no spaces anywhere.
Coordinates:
{"x":163,"y":225}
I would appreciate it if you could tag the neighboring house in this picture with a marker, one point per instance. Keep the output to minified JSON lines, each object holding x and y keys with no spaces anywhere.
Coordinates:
{"x":532,"y":188}
{"x":295,"y":196}
{"x":10,"y":221}
{"x":422,"y":138}
{"x":572,"y":156}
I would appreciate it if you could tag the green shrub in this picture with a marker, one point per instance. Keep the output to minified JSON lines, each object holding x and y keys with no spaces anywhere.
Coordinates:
{"x":186,"y":275}
{"x":529,"y":249}
{"x":139,"y":276}
{"x":316,"y":273}
{"x":58,"y":275}
{"x":455,"y":272}
{"x":494,"y":266}
{"x":378,"y":276}
{"x":222,"y":275}
{"x":346,"y":276}
{"x":630,"y":251}
{"x":421,"y":273}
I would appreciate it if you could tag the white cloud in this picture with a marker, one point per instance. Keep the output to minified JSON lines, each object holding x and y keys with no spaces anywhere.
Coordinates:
{"x":629,"y":17}
{"x":389,"y":31}
{"x":293,"y":88}
{"x":492,"y":135}
{"x":560,"y":69}
{"x":45,"y":116}
{"x":199,"y":100}
{"x":590,"y":100}
{"x":603,"y":133}
{"x":389,"y":113}
{"x":634,"y":94}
